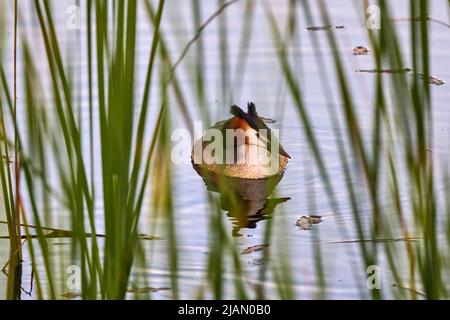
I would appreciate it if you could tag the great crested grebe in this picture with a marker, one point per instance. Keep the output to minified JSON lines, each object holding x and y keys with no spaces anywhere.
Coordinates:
{"x":247,"y":149}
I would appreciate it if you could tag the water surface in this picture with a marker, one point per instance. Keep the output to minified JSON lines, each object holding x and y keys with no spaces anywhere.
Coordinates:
{"x":263,"y":83}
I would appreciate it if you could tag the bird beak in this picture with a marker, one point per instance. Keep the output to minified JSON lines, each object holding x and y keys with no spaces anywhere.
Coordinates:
{"x":266,"y":142}
{"x":283,"y":152}
{"x":258,"y":123}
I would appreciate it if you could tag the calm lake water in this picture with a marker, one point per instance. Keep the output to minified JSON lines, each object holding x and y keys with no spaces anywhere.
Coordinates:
{"x":263,"y":83}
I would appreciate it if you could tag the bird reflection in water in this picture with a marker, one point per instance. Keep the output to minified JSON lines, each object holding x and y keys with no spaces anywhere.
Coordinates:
{"x":246,"y":201}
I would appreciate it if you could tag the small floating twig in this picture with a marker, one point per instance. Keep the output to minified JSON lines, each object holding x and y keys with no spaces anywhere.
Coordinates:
{"x":326,"y":27}
{"x":373,"y":240}
{"x":431,"y":79}
{"x":75,"y":294}
{"x":70,"y":234}
{"x":61,"y":233}
{"x":420,"y":293}
{"x":255,"y":248}
{"x":256,"y":262}
{"x":146,"y":290}
{"x":405,"y":70}
{"x":71,"y":294}
{"x":147,"y":237}
{"x":420,"y":18}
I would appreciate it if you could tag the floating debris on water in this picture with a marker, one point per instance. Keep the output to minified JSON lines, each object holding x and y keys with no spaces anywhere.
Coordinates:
{"x":360,"y":51}
{"x":256,"y":262}
{"x":255,"y":248}
{"x":410,"y":289}
{"x":420,"y":19}
{"x":61,"y":243}
{"x":71,"y":295}
{"x":317,"y":28}
{"x":146,"y":290}
{"x":306,"y":222}
{"x":60,"y":234}
{"x":404,"y":70}
{"x":406,"y":239}
{"x":70,"y":234}
{"x":326,"y":27}
{"x":431,"y":79}
{"x":148,"y":237}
